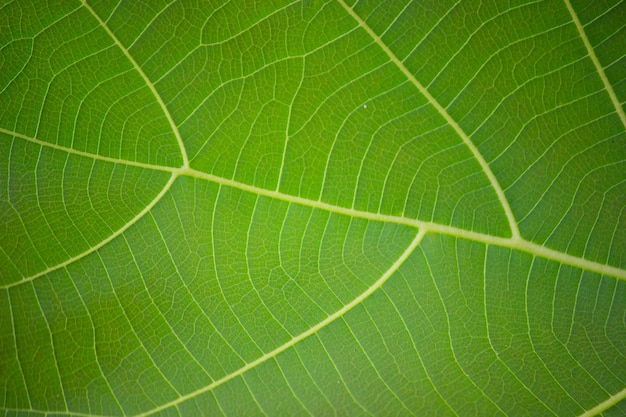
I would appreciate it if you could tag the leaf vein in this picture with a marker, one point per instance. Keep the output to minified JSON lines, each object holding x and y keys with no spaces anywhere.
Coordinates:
{"x":149,"y":83}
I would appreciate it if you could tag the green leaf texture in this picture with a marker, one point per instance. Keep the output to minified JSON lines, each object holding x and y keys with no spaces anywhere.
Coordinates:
{"x":342,"y":207}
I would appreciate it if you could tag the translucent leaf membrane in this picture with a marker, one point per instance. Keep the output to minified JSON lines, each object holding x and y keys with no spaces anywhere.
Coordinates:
{"x":312,"y":208}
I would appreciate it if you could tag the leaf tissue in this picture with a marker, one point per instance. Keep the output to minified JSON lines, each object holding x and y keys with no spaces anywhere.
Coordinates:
{"x":341,"y":207}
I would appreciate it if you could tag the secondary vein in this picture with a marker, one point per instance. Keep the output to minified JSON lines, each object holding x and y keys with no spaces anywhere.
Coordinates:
{"x":269,"y":355}
{"x":444,"y":113}
{"x":96,"y":157}
{"x":592,"y":54}
{"x":149,"y":83}
{"x":94,"y":248}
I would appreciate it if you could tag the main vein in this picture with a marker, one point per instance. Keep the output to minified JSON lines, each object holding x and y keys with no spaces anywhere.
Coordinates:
{"x":515,"y":242}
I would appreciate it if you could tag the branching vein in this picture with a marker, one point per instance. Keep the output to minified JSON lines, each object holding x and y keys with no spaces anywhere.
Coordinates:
{"x":149,"y":83}
{"x":607,"y":85}
{"x":444,"y":113}
{"x":338,"y":314}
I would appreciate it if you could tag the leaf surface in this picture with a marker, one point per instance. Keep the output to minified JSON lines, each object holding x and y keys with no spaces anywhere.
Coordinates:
{"x":312,"y":208}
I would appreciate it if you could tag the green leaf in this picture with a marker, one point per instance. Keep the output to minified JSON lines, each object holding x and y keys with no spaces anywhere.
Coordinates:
{"x":342,"y":207}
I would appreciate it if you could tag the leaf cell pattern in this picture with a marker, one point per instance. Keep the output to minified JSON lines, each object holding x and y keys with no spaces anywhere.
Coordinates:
{"x":342,"y":207}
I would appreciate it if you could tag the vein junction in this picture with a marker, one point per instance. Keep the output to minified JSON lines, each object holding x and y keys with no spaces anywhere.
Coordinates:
{"x":515,"y":242}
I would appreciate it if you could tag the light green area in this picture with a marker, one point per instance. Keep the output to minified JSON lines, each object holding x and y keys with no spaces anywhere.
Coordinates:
{"x":312,"y":208}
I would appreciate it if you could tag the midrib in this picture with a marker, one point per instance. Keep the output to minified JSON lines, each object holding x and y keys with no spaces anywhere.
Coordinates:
{"x":515,"y":242}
